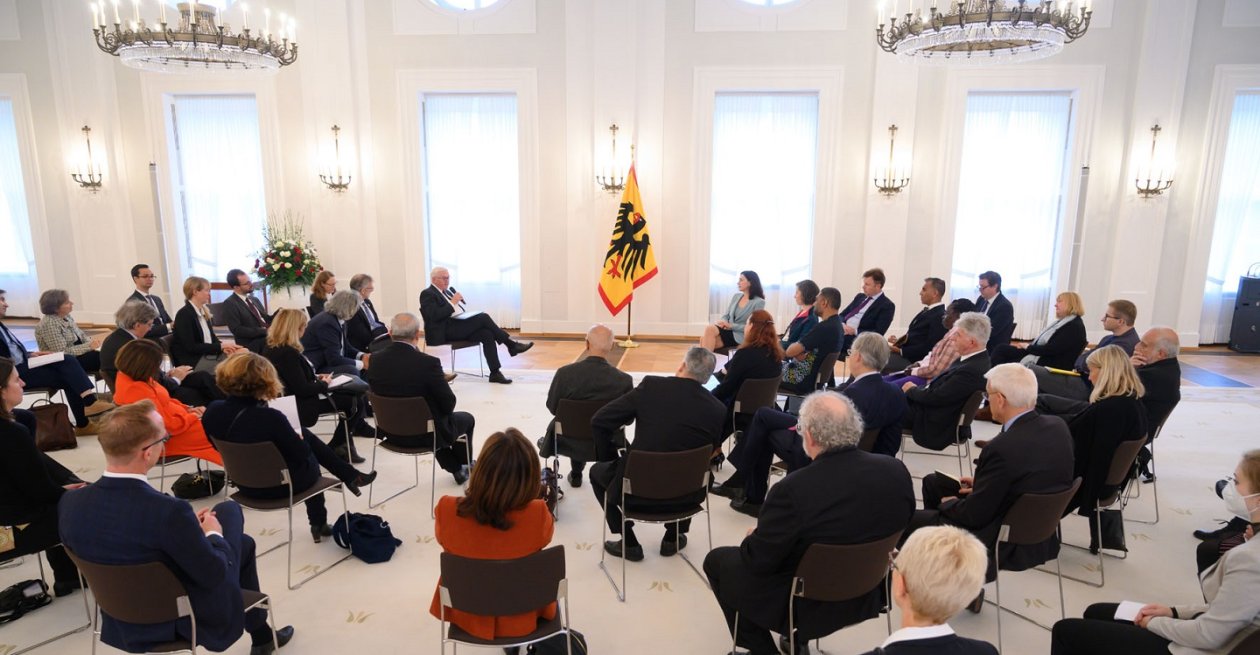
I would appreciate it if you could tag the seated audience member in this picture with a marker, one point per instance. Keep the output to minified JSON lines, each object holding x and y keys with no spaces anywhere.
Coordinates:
{"x":880,"y":405}
{"x":1031,"y":454}
{"x":250,"y":381}
{"x":144,"y":277}
{"x":805,"y":319}
{"x":400,"y":370}
{"x":936,"y":573}
{"x":943,"y":354}
{"x":671,"y":414}
{"x":194,"y":343}
{"x":139,"y":364}
{"x":66,"y":376}
{"x":759,"y":357}
{"x":934,"y":409}
{"x":310,"y":390}
{"x":446,"y":319}
{"x":869,"y":311}
{"x":366,"y":325}
{"x":845,"y":497}
{"x":1058,"y":345}
{"x":590,"y":378}
{"x":807,"y":355}
{"x":1155,"y":357}
{"x":134,"y":319}
{"x":324,"y":341}
{"x":499,"y":517}
{"x":1237,"y":531}
{"x":1114,"y":415}
{"x":31,"y":485}
{"x":994,"y":304}
{"x":245,"y":316}
{"x":1118,"y":320}
{"x":121,"y":519}
{"x":57,"y":331}
{"x":322,"y":289}
{"x":926,"y":329}
{"x":728,"y":331}
{"x":1230,"y":615}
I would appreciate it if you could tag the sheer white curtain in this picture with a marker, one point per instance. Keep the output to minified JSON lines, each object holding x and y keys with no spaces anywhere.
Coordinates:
{"x":765,"y":149}
{"x":17,"y":258}
{"x":1236,"y":232}
{"x":473,"y":195}
{"x":1010,"y":199}
{"x":219,"y":153}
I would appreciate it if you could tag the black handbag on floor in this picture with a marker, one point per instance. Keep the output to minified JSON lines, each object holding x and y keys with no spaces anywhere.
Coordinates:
{"x":202,"y":484}
{"x":23,"y":597}
{"x":555,"y":645}
{"x":1111,"y":524}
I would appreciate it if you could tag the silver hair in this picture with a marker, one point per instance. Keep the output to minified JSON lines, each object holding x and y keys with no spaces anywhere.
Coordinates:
{"x":359,"y":281}
{"x":51,"y":301}
{"x":976,"y":325}
{"x":831,"y":420}
{"x":1016,"y":382}
{"x":699,"y":363}
{"x":1167,"y":341}
{"x":133,"y":313}
{"x":873,"y":348}
{"x":404,"y":327}
{"x":344,"y":304}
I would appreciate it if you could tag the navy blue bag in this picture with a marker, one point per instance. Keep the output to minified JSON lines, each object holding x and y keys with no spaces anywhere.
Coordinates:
{"x":366,"y":535}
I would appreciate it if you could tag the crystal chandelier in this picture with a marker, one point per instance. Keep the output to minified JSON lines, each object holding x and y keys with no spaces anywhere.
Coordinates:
{"x":983,"y":31}
{"x":199,"y":42}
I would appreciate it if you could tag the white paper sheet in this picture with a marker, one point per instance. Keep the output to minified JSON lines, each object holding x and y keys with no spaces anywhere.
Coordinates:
{"x":1127,"y":610}
{"x":288,"y":406}
{"x":50,"y":358}
{"x":339,"y":380}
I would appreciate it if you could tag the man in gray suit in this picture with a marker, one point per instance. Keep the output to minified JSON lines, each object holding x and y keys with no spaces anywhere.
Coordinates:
{"x":590,"y":378}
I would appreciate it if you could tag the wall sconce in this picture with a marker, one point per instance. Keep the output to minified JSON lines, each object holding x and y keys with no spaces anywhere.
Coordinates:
{"x":1149,"y":188}
{"x":88,"y":175}
{"x":332,"y":177}
{"x":892,"y":181}
{"x":611,"y":179}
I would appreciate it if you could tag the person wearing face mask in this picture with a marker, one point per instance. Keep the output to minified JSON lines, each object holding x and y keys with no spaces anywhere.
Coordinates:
{"x":1230,"y":615}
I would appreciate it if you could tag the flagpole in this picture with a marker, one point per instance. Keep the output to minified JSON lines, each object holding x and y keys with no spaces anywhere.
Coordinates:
{"x":628,"y":343}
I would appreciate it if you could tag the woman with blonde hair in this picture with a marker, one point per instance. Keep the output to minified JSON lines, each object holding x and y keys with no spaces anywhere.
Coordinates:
{"x":322,"y":289}
{"x":1059,"y":344}
{"x":193,"y":341}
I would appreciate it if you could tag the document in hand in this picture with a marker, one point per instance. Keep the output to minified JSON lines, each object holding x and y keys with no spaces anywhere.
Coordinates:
{"x":339,"y":380}
{"x":950,"y":484}
{"x":288,"y":406}
{"x":1127,"y":610}
{"x":50,"y":358}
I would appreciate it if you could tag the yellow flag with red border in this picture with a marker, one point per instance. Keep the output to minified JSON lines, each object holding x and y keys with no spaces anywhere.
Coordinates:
{"x":629,"y":261}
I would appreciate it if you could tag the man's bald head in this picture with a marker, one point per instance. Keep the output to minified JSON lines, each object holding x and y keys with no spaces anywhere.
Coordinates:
{"x":1158,"y":343}
{"x":599,"y":340}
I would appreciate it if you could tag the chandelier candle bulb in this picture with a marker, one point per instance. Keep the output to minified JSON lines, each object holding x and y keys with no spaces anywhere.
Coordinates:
{"x":135,"y":10}
{"x":244,"y":16}
{"x":117,"y":20}
{"x":267,"y":23}
{"x":162,"y":13}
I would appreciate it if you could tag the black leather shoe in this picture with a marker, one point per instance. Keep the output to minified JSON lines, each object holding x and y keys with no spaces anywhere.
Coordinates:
{"x":515,"y":348}
{"x":669,"y":549}
{"x":66,"y":588}
{"x":744,"y":507}
{"x":1227,"y":530}
{"x":361,"y":480}
{"x":461,"y":476}
{"x":575,"y":479}
{"x":728,"y":491}
{"x":318,"y":532}
{"x":977,"y":604}
{"x":633,"y":553}
{"x":283,"y":636}
{"x":352,"y":457}
{"x":497,"y":377}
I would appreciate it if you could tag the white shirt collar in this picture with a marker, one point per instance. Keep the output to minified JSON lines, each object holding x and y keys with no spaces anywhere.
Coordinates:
{"x":914,"y":634}
{"x":935,"y":305}
{"x":242,"y":296}
{"x":125,"y":476}
{"x":876,"y":296}
{"x":967,"y":357}
{"x":142,"y":293}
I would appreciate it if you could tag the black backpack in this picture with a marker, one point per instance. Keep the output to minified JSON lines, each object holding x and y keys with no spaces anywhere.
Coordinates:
{"x":21,"y":598}
{"x":366,"y":535}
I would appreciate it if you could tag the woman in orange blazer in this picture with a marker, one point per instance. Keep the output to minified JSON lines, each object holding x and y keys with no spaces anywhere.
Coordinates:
{"x":139,"y":363}
{"x":499,"y":517}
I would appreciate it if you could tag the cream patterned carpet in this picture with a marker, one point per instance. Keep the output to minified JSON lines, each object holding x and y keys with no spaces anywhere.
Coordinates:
{"x":383,"y":608}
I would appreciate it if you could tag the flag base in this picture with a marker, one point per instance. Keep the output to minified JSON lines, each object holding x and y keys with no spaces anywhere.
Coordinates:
{"x":628,"y":343}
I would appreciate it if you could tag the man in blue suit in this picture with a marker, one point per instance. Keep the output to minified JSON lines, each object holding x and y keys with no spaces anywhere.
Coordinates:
{"x":121,"y":519}
{"x":994,"y":304}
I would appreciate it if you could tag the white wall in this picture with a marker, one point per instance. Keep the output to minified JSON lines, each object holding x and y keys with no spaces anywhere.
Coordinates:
{"x":635,"y":62}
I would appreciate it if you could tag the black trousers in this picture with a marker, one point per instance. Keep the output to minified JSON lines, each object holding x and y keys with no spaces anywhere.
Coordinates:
{"x":1100,"y":633}
{"x":449,"y":456}
{"x":723,"y":564}
{"x":482,"y":329}
{"x":354,"y":406}
{"x":305,"y":476}
{"x":90,"y":360}
{"x":244,"y":566}
{"x":198,"y":389}
{"x":768,"y":435}
{"x":607,"y":475}
{"x":41,"y":535}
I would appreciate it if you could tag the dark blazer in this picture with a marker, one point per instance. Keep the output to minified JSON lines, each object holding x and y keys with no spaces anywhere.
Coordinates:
{"x":1162,"y":380}
{"x":124,"y":521}
{"x":259,"y":423}
{"x":1033,"y":456}
{"x":26,"y":487}
{"x":1096,"y":433}
{"x":436,"y":311}
{"x":299,"y":380}
{"x":882,"y":406}
{"x":188,"y":346}
{"x":360,"y":332}
{"x":4,"y":346}
{"x":590,"y":378}
{"x":745,"y":364}
{"x":947,"y":645}
{"x":845,"y":496}
{"x":1001,"y":318}
{"x":325,"y":345}
{"x":799,"y":327}
{"x":1061,"y":350}
{"x":163,"y":319}
{"x":317,"y":306}
{"x":878,"y":316}
{"x":401,"y":370}
{"x":934,"y":408}
{"x":926,"y":328}
{"x":109,"y":353}
{"x":670,"y":414}
{"x":244,"y":325}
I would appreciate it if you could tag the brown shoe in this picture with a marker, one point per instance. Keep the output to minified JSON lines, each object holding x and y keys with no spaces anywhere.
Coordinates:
{"x":99,"y":407}
{"x":981,"y":443}
{"x":86,"y":431}
{"x":450,"y":377}
{"x":983,"y":414}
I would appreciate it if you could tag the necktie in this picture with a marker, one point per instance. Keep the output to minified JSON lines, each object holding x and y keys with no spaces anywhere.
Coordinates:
{"x":983,"y":306}
{"x":367,"y":310}
{"x":857,"y":310}
{"x":257,"y":315}
{"x":17,"y":351}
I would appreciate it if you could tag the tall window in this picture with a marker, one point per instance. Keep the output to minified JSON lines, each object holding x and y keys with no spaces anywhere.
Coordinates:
{"x":219,"y":175}
{"x":1236,"y":235}
{"x":472,"y":184}
{"x":1010,"y":198}
{"x":17,"y":258}
{"x":765,"y":149}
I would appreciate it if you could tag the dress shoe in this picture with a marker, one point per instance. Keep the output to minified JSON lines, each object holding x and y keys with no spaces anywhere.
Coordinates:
{"x":450,"y":377}
{"x":744,"y":507}
{"x":669,"y":548}
{"x":981,"y":443}
{"x":734,"y":492}
{"x":633,"y":553}
{"x":85,"y":431}
{"x":65,"y":588}
{"x":575,"y":479}
{"x":785,"y":646}
{"x":283,"y":636}
{"x":352,"y":457}
{"x":984,"y":414}
{"x":364,"y":430}
{"x":1227,"y":530}
{"x":976,"y":604}
{"x":497,"y":377}
{"x":461,"y":476}
{"x":515,"y":348}
{"x":360,"y":480}
{"x":318,"y":532}
{"x":98,"y":407}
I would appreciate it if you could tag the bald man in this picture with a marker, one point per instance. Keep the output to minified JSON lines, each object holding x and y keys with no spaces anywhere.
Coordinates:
{"x":446,"y":320}
{"x":591,"y":377}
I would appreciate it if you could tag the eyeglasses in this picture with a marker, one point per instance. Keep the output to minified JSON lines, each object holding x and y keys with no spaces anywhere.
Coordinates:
{"x":1109,"y":316}
{"x":155,"y":443}
{"x":146,"y":277}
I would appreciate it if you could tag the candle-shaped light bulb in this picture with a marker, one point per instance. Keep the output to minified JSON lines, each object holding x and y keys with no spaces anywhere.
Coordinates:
{"x":244,"y":16}
{"x":92,"y":6}
{"x":267,"y":22}
{"x":135,"y":11}
{"x":881,"y":12}
{"x":117,"y":20}
{"x":292,"y":31}
{"x":162,"y":11}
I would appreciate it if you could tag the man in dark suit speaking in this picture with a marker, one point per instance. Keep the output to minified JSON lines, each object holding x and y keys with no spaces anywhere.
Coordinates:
{"x":446,"y":319}
{"x":926,"y":328}
{"x":122,"y":519}
{"x":144,"y":277}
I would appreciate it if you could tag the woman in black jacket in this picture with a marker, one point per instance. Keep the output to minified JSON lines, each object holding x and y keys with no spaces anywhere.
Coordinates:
{"x":1059,"y":344}
{"x":193,"y":339}
{"x":760,"y":356}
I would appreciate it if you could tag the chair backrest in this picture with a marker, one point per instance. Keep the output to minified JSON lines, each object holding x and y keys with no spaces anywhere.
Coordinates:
{"x":216,"y":314}
{"x":867,"y":443}
{"x":166,"y":340}
{"x":136,"y":593}
{"x":402,"y":417}
{"x":826,"y":369}
{"x":756,"y":393}
{"x":1122,"y":461}
{"x":258,"y":465}
{"x":573,"y":418}
{"x":662,"y":476}
{"x":830,"y":572}
{"x":1033,"y":518}
{"x":505,"y":587}
{"x":1248,"y":646}
{"x":968,"y":412}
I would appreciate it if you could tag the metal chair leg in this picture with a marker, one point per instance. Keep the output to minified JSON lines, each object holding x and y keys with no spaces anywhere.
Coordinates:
{"x":372,"y":487}
{"x":345,"y":509}
{"x":620,"y":591}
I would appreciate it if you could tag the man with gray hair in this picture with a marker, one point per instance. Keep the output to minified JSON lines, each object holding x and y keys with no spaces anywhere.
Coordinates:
{"x":324,"y":341}
{"x":447,"y":319}
{"x":846,"y":496}
{"x":365,"y":325}
{"x":670,"y":414}
{"x":934,"y":409}
{"x":135,"y":320}
{"x":591,"y":377}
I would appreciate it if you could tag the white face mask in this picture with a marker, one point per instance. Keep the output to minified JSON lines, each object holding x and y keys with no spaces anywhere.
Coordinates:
{"x":1237,"y":503}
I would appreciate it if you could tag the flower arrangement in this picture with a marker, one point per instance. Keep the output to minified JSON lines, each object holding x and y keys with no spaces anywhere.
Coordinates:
{"x":286,"y":259}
